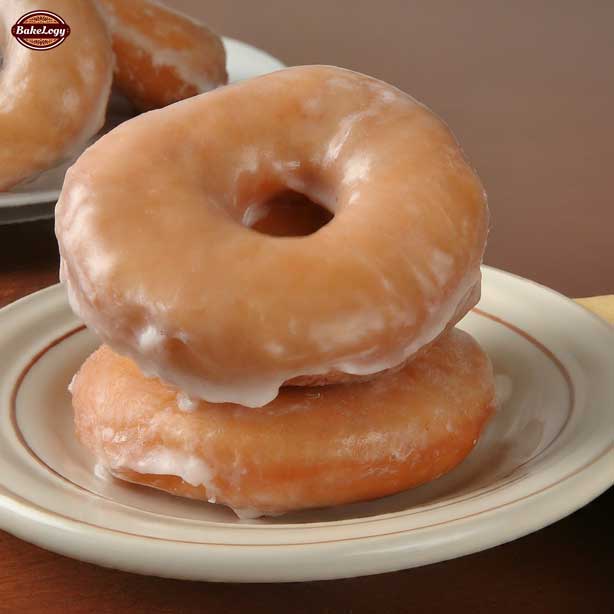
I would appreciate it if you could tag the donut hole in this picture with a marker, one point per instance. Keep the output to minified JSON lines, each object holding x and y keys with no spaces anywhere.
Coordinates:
{"x":287,"y":214}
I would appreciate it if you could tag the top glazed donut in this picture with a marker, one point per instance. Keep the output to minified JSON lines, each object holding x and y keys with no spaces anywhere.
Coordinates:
{"x":51,"y":102}
{"x":159,"y":262}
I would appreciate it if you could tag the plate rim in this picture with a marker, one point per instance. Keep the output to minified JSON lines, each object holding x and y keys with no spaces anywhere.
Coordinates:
{"x":242,"y":563}
{"x":501,"y":483}
{"x":591,"y":479}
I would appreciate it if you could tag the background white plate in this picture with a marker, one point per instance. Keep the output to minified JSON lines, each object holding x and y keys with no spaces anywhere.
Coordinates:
{"x":547,"y":452}
{"x":35,"y":199}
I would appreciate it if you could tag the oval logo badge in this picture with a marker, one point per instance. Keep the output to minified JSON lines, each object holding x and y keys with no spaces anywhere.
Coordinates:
{"x":40,"y":30}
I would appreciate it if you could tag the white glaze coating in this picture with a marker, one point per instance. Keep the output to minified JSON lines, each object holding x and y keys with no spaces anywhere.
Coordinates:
{"x":185,"y":403}
{"x":504,"y":386}
{"x":101,"y":471}
{"x":164,"y":461}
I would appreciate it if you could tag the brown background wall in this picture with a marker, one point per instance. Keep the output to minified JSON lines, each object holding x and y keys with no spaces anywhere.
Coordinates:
{"x":527,"y":85}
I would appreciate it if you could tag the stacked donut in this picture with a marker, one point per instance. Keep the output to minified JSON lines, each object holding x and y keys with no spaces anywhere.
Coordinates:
{"x":53,"y":102}
{"x":275,"y":373}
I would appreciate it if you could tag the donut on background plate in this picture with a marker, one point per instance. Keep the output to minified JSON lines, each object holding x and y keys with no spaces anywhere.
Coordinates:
{"x":52,"y":101}
{"x":162,"y":56}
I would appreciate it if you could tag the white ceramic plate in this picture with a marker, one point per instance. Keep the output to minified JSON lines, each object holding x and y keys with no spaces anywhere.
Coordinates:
{"x":35,"y":199}
{"x":547,"y":452}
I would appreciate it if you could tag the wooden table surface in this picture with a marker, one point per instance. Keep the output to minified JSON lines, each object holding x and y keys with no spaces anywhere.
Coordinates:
{"x":566,"y":567}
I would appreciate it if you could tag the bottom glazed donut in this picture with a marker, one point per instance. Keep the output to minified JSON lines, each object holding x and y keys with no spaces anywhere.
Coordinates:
{"x":310,"y":447}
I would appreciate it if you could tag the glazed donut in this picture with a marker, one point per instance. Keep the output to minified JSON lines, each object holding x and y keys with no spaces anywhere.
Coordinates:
{"x":310,"y":447}
{"x":53,"y":101}
{"x":162,"y":56}
{"x":159,"y":263}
